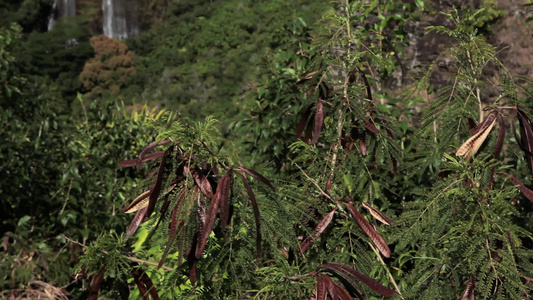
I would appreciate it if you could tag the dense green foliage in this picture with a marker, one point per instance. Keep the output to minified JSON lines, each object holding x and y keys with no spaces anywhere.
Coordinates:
{"x":312,"y":179}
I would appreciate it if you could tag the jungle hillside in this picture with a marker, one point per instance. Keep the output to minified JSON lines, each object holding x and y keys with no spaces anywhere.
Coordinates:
{"x":270,"y":149}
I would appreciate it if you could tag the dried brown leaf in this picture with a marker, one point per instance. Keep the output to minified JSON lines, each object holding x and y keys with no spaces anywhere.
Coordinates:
{"x":472,"y":145}
{"x":369,"y":230}
{"x":321,"y":288}
{"x":320,"y":227}
{"x":208,"y":226}
{"x":95,"y":285}
{"x":223,"y":191}
{"x":203,"y":183}
{"x":501,"y":137}
{"x":137,"y":220}
{"x":371,"y":283}
{"x":521,"y":187}
{"x":378,"y":215}
{"x":171,"y":235}
{"x":468,"y":293}
{"x":369,"y":124}
{"x":138,"y":203}
{"x":257,"y":176}
{"x":319,"y":121}
{"x":526,"y":136}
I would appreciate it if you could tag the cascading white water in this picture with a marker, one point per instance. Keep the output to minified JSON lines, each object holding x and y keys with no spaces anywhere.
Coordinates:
{"x":120,"y":18}
{"x":61,"y":9}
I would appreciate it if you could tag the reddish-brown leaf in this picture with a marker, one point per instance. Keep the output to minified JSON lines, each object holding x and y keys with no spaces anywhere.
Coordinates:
{"x":140,"y":284}
{"x":367,"y":84}
{"x":321,"y":287}
{"x":137,"y":220}
{"x":526,"y":136}
{"x":341,"y":293}
{"x":369,"y":230}
{"x":347,"y":280}
{"x":133,"y":162}
{"x":319,"y":121}
{"x":521,"y":187}
{"x":369,"y":124}
{"x":145,"y":285}
{"x":203,"y":183}
{"x":223,"y":190}
{"x":192,"y":273}
{"x":147,"y":149}
{"x":156,"y":189}
{"x":256,"y":214}
{"x":304,"y":121}
{"x":172,"y":234}
{"x":208,"y":225}
{"x":330,"y":286}
{"x":468,"y":293}
{"x":472,"y":126}
{"x":501,"y":137}
{"x":320,"y":227}
{"x":95,"y":284}
{"x":371,"y":283}
{"x":257,"y":176}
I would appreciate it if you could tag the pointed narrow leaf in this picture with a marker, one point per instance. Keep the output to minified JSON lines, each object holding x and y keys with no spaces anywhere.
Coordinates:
{"x":321,"y":287}
{"x":145,"y":285}
{"x":330,"y":286}
{"x":147,"y":149}
{"x":171,"y":235}
{"x":223,"y":190}
{"x":369,"y":124}
{"x":521,"y":187}
{"x":319,"y":121}
{"x":140,"y":284}
{"x":192,"y":273}
{"x":95,"y":285}
{"x":203,"y":183}
{"x":156,"y":190}
{"x":371,"y":283}
{"x":367,"y":84}
{"x":137,"y":220}
{"x":369,"y":230}
{"x":378,"y":215}
{"x":501,"y":137}
{"x":472,"y":126}
{"x":128,"y":163}
{"x":208,"y":226}
{"x":341,"y":293}
{"x":472,"y":145}
{"x":320,"y":227}
{"x":256,"y":214}
{"x":347,"y":280}
{"x":138,"y":203}
{"x":468,"y":293}
{"x":304,"y":121}
{"x":257,"y":176}
{"x":526,"y":136}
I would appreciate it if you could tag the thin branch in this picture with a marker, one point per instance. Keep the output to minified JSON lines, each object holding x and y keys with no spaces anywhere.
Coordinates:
{"x":315,"y":184}
{"x":134,"y":259}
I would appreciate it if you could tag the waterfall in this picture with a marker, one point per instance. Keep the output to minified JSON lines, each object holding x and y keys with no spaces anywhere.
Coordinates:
{"x":120,"y":18}
{"x":61,"y":9}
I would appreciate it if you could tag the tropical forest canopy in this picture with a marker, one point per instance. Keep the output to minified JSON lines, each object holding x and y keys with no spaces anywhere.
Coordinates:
{"x":273,"y":149}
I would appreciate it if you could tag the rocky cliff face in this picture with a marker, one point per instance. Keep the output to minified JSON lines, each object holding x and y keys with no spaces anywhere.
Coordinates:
{"x":507,"y":31}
